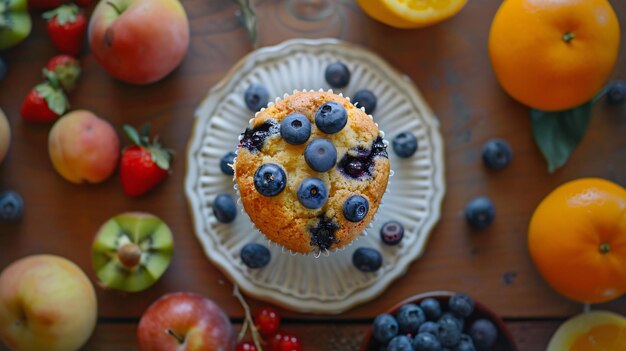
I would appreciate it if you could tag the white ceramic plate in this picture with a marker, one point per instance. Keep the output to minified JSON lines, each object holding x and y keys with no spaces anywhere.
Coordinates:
{"x":328,"y":284}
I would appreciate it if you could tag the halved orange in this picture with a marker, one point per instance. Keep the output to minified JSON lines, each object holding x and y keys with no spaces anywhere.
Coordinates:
{"x":411,"y":13}
{"x":592,"y":331}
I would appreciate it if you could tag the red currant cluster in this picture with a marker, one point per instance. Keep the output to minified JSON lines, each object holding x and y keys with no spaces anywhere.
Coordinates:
{"x":267,"y":322}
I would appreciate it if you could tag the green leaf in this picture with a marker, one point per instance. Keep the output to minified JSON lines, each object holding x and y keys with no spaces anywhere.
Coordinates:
{"x":131,"y":133}
{"x":161,"y":157}
{"x":247,"y":16}
{"x":558,"y":132}
{"x":56,"y":100}
{"x":64,"y":14}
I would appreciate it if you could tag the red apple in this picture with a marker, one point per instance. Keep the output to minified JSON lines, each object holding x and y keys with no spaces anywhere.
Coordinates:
{"x":185,"y":322}
{"x":139,"y":41}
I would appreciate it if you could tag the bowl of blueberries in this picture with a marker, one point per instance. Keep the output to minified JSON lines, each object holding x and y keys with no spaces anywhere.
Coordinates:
{"x":438,"y":321}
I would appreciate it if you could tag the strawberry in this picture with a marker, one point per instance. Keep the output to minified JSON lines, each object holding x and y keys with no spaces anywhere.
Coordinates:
{"x":67,"y":70}
{"x":67,"y":27}
{"x":144,"y":164}
{"x":45,"y":103}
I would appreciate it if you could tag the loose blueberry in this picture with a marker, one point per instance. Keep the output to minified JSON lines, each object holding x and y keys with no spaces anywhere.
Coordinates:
{"x":331,"y":117}
{"x":451,"y":317}
{"x":323,"y":233}
{"x":400,"y":343}
{"x":256,"y":97}
{"x":270,"y":179}
{"x":404,"y":144}
{"x":497,"y":154}
{"x":312,"y":193}
{"x":391,"y":233}
{"x":3,"y":68}
{"x":409,"y":318}
{"x":448,"y":333}
{"x":226,"y":162}
{"x":224,"y":208}
{"x":11,"y":206}
{"x":431,"y":308}
{"x":255,"y":255}
{"x":355,"y":208}
{"x":366,"y":99}
{"x":426,"y":342}
{"x":367,"y":259}
{"x":616,"y":94}
{"x":385,"y":328}
{"x":461,"y":305}
{"x":337,"y":75}
{"x":480,"y":212}
{"x":295,"y":129}
{"x":484,"y":333}
{"x":429,"y":327}
{"x":320,"y":155}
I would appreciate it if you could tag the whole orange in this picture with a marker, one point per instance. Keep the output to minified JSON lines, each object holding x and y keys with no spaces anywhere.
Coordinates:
{"x":577,"y":239}
{"x":554,"y":55}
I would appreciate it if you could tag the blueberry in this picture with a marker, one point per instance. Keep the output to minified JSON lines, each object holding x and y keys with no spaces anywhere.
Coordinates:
{"x":367,"y":260}
{"x":254,"y":138}
{"x":226,"y":163}
{"x":400,"y":343}
{"x":355,"y":208}
{"x":404,"y":144}
{"x":295,"y":129}
{"x":616,"y":94}
{"x":409,"y":318}
{"x":323,"y":233}
{"x":497,"y":154}
{"x":391,"y":233}
{"x":365,"y":98}
{"x":256,"y":97}
{"x":337,"y":75}
{"x":448,"y":333}
{"x":429,"y":327}
{"x":484,"y":334}
{"x":385,"y":328}
{"x":11,"y":206}
{"x":331,"y":117}
{"x":449,"y":316}
{"x":320,"y":155}
{"x":270,"y":179}
{"x":426,"y":342}
{"x":312,"y":193}
{"x":224,"y":208}
{"x":3,"y":68}
{"x":461,"y":305}
{"x":431,"y":308}
{"x":465,"y":344}
{"x":480,"y":212}
{"x":255,"y":255}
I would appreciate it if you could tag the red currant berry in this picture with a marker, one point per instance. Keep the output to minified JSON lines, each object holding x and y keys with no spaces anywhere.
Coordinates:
{"x":285,"y":342}
{"x":267,"y":321}
{"x":246,"y":346}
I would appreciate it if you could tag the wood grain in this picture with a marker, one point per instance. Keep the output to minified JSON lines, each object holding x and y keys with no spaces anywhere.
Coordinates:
{"x":448,"y":62}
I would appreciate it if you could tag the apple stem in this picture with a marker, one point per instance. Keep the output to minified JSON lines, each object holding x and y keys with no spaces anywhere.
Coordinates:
{"x":117,"y":9}
{"x":178,"y":337}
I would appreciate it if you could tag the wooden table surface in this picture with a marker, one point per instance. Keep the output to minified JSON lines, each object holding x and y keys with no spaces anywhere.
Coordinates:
{"x":448,"y":62}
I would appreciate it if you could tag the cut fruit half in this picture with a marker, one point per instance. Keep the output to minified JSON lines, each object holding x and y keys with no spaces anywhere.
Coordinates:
{"x":411,"y":13}
{"x":131,"y":251}
{"x":592,"y":331}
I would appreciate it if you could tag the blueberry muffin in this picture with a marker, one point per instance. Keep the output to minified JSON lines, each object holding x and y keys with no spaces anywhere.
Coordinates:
{"x":311,"y":171}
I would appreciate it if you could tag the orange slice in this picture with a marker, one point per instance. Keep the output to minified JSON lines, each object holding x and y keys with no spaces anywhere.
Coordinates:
{"x":411,"y":13}
{"x":593,"y":331}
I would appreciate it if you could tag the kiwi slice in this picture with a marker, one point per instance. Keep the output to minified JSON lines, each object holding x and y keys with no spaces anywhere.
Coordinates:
{"x":131,"y":251}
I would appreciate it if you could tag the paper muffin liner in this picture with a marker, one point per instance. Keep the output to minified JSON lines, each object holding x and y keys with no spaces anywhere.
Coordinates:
{"x":316,"y":253}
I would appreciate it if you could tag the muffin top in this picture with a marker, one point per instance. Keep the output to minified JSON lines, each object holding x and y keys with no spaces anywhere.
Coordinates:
{"x":311,"y":171}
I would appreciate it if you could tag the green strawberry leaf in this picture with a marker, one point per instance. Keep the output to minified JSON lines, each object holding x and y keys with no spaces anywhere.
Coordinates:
{"x":132,"y":134}
{"x":64,"y":14}
{"x":55,"y":98}
{"x":247,"y":16}
{"x":161,"y":157}
{"x":557,"y":133}
{"x":145,"y":134}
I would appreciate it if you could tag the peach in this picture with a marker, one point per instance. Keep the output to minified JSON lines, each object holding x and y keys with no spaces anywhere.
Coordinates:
{"x":139,"y":41}
{"x":5,"y":135}
{"x":46,"y":303}
{"x":83,"y":147}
